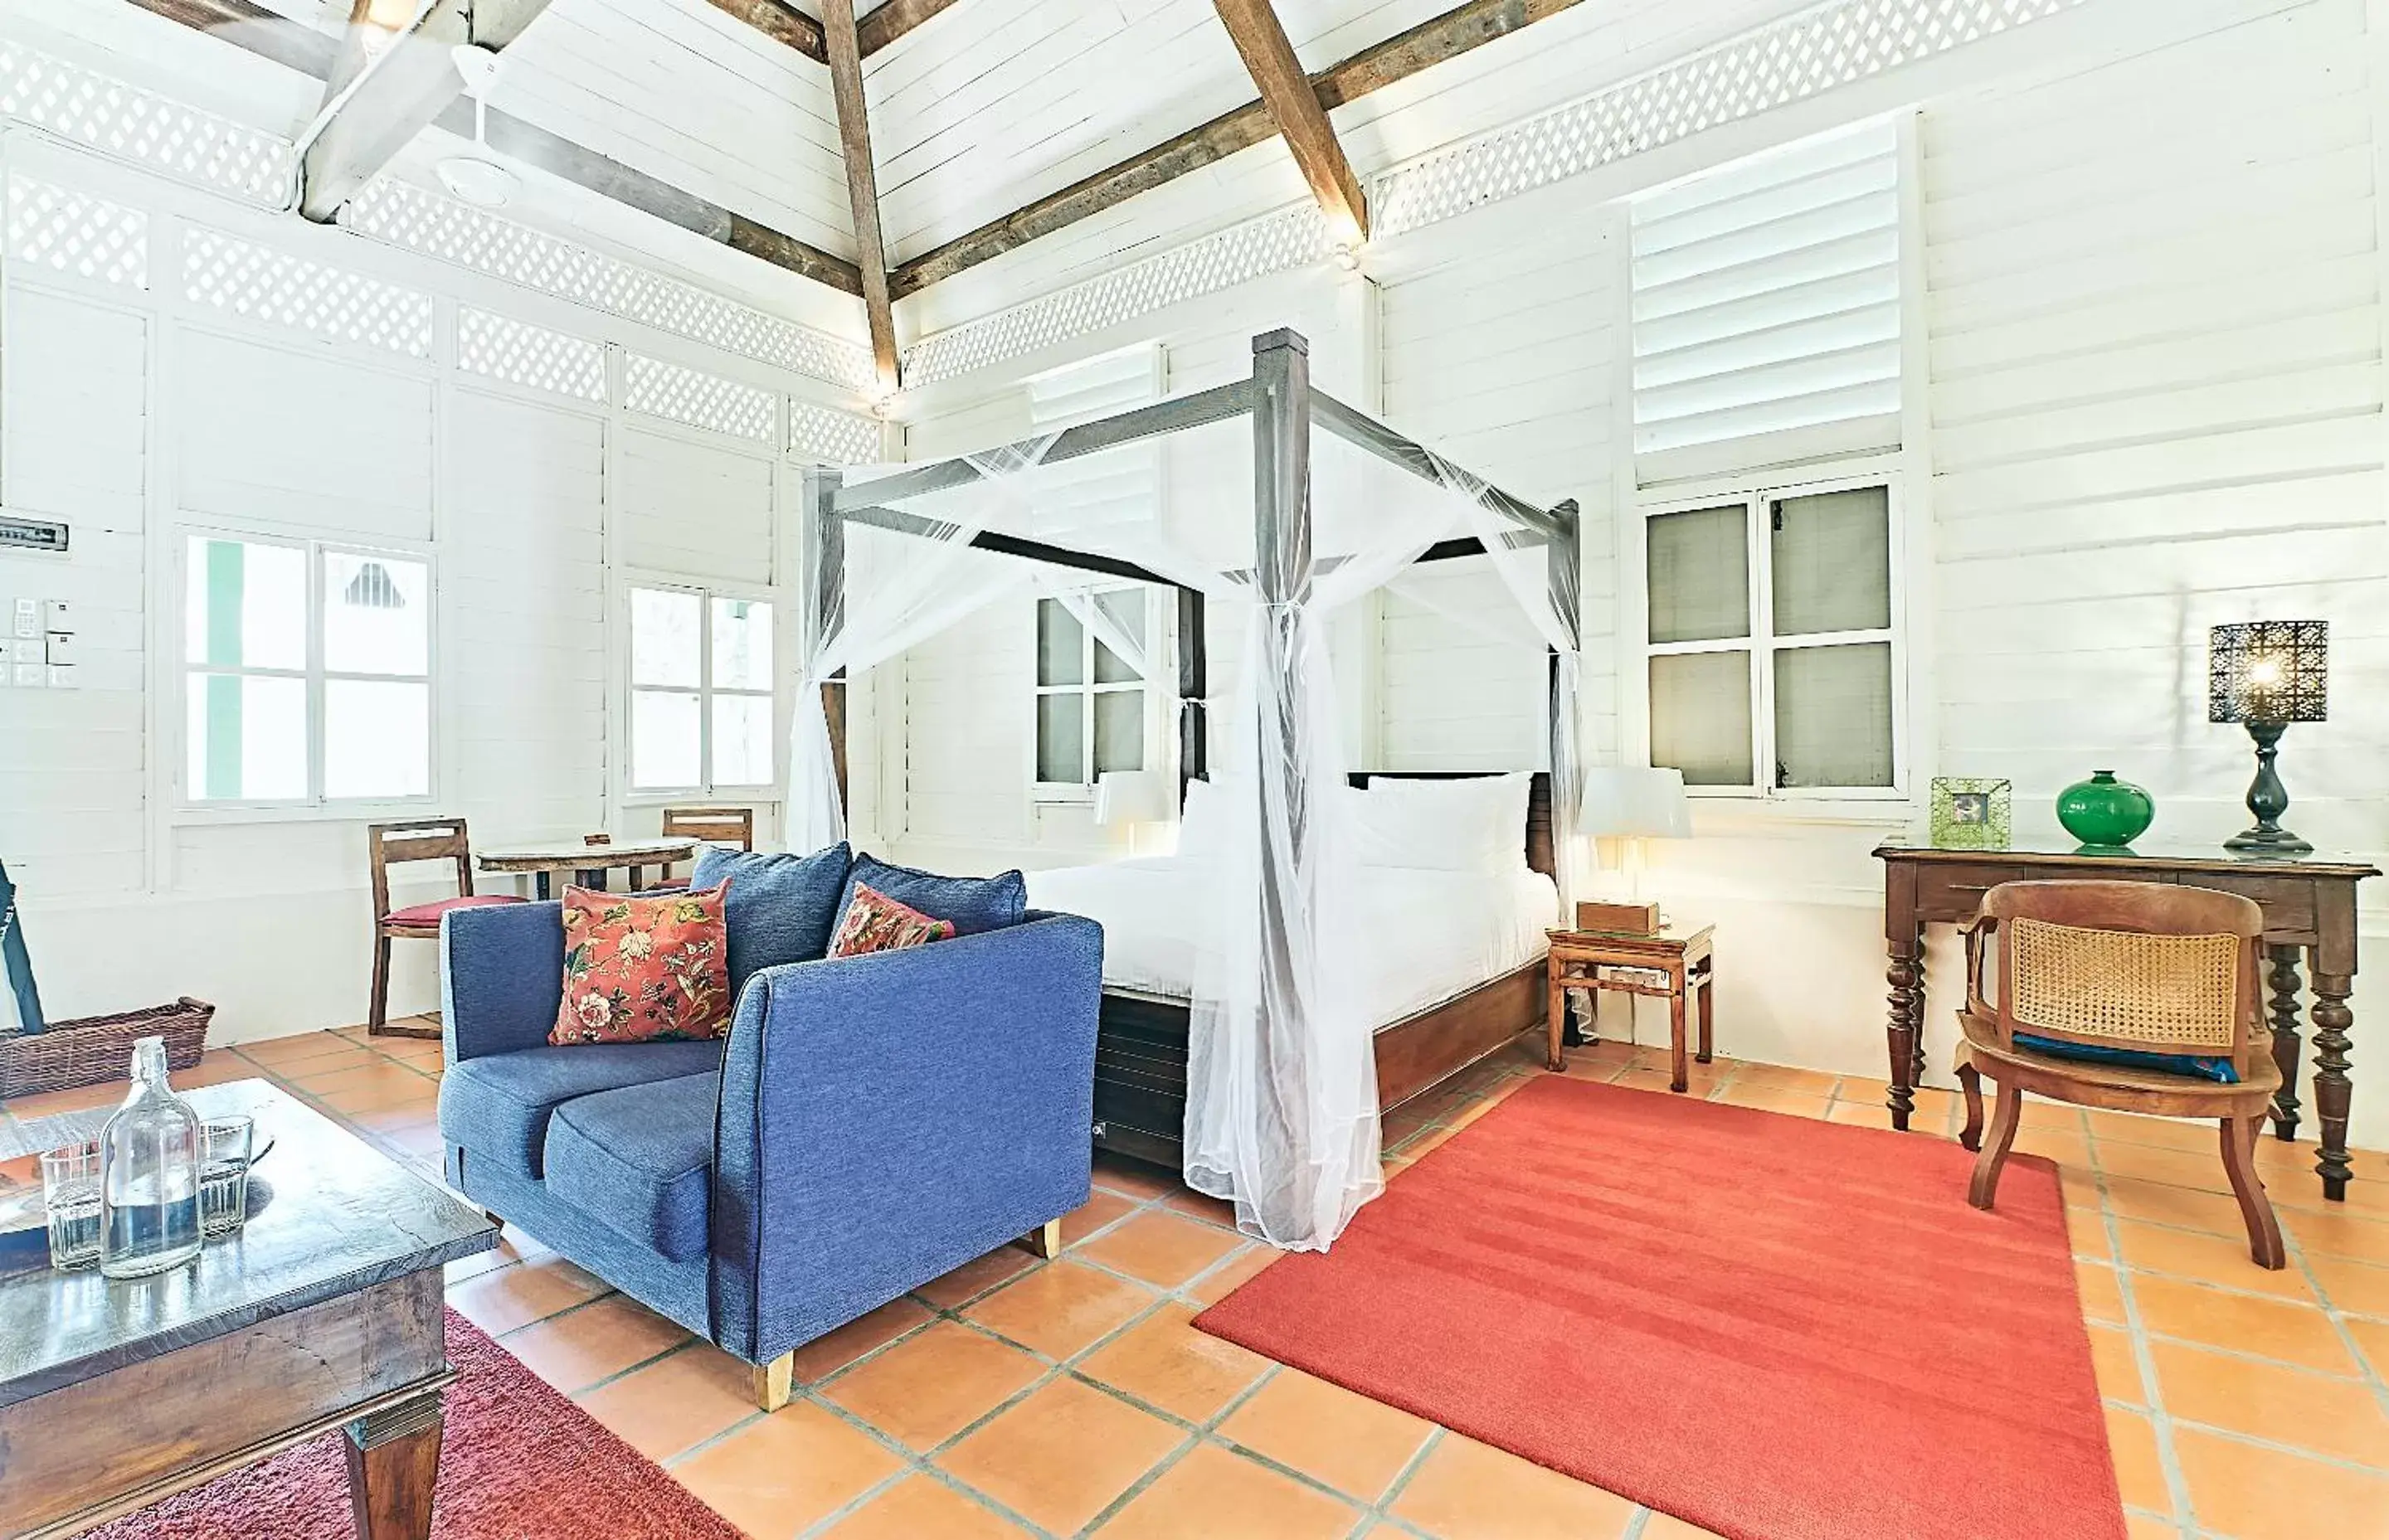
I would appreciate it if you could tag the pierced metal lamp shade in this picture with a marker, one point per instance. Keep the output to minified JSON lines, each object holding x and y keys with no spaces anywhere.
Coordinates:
{"x":2269,"y":671}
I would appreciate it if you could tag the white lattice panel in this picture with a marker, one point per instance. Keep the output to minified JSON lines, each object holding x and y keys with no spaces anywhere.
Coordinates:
{"x":694,"y":397}
{"x":1290,"y":238}
{"x":829,"y":437}
{"x":142,"y":126}
{"x":71,"y":232}
{"x":264,"y":284}
{"x":525,"y":354}
{"x":423,"y":221}
{"x":1798,"y":57}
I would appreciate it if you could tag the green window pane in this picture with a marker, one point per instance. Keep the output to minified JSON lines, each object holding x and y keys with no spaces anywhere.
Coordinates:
{"x":245,"y":604}
{"x":1833,"y":715}
{"x":245,"y":738}
{"x":1125,"y":609}
{"x":1698,"y":568}
{"x":1832,"y":558}
{"x":1061,"y":739}
{"x":1060,"y":638}
{"x":1700,"y":717}
{"x":1119,"y":730}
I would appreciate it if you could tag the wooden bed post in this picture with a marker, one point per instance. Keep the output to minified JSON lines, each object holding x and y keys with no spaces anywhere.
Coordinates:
{"x":1194,"y":691}
{"x":825,"y":608}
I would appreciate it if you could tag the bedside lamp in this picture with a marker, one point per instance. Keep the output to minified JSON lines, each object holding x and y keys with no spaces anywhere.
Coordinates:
{"x":1126,"y":799}
{"x":1634,"y":803}
{"x":2264,"y":675}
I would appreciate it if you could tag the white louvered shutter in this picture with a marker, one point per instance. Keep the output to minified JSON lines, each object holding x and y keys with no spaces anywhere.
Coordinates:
{"x":1767,"y":310}
{"x":1119,"y":485}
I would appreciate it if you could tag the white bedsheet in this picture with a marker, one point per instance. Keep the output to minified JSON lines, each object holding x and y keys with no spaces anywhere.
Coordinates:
{"x":1429,"y":934}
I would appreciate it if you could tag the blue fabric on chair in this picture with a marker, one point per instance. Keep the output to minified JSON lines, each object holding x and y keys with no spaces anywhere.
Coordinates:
{"x":639,"y":1159}
{"x":498,"y":1105}
{"x":781,"y":907}
{"x":2197,"y":1065}
{"x":500,"y":977}
{"x":678,"y":1290}
{"x":973,"y":904}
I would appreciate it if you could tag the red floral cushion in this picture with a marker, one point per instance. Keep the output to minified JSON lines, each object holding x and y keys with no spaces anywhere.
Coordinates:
{"x":874,"y":922}
{"x":643,"y":969}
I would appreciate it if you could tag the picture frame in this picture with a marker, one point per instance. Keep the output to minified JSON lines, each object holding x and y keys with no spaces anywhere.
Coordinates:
{"x":1970,"y":813}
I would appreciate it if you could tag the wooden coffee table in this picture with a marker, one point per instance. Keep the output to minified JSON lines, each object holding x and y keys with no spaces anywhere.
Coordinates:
{"x":325,"y":1311}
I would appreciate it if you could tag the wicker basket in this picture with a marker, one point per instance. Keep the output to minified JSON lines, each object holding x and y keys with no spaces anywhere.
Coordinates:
{"x":97,"y":1048}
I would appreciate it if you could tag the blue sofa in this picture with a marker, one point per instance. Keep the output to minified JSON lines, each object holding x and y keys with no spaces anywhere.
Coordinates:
{"x":869,"y":1123}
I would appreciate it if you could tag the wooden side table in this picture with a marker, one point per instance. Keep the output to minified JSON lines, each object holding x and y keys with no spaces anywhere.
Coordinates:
{"x":1608,"y":960}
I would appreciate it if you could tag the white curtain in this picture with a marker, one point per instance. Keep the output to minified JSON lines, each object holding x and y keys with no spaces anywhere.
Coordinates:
{"x":899,"y":588}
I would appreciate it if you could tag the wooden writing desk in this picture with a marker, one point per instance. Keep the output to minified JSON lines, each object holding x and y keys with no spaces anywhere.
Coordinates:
{"x":2310,"y":904}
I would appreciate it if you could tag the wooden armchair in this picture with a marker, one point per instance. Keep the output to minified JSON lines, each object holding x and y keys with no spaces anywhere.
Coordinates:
{"x":388,"y":844}
{"x":2138,"y":968}
{"x":713,"y":825}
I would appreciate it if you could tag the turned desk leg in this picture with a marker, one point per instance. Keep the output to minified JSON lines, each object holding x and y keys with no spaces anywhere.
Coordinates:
{"x":2332,"y":1019}
{"x":2283,"y":982}
{"x":1916,"y":1016}
{"x":1906,"y":976}
{"x":393,"y":1465}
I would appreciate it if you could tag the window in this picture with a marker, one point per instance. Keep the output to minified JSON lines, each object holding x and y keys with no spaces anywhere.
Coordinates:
{"x":701,"y":691}
{"x":1092,"y":705}
{"x":307,"y":672}
{"x":1773,"y":661}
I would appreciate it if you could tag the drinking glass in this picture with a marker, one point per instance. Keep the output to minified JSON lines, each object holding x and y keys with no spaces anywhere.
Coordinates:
{"x":71,"y":1193}
{"x":225,"y":1144}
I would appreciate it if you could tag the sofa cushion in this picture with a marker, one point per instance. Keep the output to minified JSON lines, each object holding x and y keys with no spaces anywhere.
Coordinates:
{"x":780,"y":906}
{"x":640,"y":1161}
{"x":641,"y":968}
{"x":972,"y":904}
{"x":874,"y":922}
{"x":497,"y":1106}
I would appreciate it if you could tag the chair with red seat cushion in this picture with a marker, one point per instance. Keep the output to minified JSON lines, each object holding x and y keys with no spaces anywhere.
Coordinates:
{"x":388,"y":844}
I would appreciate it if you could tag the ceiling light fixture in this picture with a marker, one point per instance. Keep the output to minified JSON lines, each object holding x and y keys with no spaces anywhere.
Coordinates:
{"x":477,"y":179}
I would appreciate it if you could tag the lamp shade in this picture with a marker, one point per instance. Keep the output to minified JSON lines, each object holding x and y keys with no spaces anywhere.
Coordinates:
{"x":2269,"y":671}
{"x":1124,"y":797}
{"x":1630,"y":801}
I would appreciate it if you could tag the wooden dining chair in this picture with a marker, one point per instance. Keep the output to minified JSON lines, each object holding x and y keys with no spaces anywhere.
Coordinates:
{"x":389,"y":844}
{"x":2127,"y":996}
{"x":713,"y":825}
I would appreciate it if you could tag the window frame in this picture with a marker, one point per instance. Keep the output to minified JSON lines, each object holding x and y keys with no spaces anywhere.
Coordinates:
{"x":1754,"y":492}
{"x":186,"y":805}
{"x":706,"y":591}
{"x":1157,"y":659}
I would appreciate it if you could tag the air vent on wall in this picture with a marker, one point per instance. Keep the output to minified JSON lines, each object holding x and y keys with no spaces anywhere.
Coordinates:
{"x":32,"y":534}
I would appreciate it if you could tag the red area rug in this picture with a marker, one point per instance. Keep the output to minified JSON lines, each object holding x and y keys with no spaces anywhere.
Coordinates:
{"x":519,"y":1461}
{"x":1774,"y":1328}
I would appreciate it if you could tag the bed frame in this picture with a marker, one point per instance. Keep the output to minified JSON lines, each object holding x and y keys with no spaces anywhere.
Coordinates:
{"x":1140,"y":1038}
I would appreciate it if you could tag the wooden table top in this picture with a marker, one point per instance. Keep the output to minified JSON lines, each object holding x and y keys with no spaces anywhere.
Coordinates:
{"x":573,"y":856}
{"x":2178,"y":858}
{"x":328,"y":1216}
{"x":1672,"y":936}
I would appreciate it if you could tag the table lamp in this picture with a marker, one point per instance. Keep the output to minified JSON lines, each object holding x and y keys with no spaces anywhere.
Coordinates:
{"x":2264,"y":675}
{"x":1126,"y":799}
{"x":1634,"y":803}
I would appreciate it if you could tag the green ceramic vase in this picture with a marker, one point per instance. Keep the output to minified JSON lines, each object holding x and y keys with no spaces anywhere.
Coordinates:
{"x":2104,"y":811}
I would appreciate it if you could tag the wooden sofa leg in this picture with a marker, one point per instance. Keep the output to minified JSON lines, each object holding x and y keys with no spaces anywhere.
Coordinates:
{"x":2256,"y":1208}
{"x":773,"y":1380}
{"x":1046,"y":1241}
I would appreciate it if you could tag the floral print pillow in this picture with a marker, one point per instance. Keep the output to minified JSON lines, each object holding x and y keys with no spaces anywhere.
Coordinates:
{"x":643,"y":968}
{"x":874,"y":922}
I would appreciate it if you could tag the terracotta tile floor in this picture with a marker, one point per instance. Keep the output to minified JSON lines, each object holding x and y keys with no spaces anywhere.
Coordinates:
{"x":1016,"y":1398}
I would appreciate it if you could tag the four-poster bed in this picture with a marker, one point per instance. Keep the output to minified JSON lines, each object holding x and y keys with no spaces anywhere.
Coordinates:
{"x":1274,"y":1041}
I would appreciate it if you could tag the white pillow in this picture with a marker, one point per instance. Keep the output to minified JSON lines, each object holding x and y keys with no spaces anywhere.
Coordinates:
{"x":1477,"y":823}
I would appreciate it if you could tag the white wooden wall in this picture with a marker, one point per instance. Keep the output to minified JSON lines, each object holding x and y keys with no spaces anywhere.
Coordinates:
{"x":133,"y":415}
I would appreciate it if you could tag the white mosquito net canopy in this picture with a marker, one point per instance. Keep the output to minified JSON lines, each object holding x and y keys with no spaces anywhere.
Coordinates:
{"x":1279,"y":507}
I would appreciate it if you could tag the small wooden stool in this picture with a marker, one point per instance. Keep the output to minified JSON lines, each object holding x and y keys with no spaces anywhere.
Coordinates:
{"x":1609,"y":959}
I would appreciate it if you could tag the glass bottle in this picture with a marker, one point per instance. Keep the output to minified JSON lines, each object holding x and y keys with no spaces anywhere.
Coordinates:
{"x":149,"y":1174}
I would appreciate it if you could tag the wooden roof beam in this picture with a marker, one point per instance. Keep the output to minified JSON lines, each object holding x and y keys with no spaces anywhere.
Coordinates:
{"x":1454,"y":32}
{"x":861,"y":181}
{"x":1293,"y":104}
{"x":781,"y":22}
{"x":393,"y":74}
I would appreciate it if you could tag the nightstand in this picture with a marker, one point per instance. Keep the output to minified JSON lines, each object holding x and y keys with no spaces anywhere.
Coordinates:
{"x":1669,"y":965}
